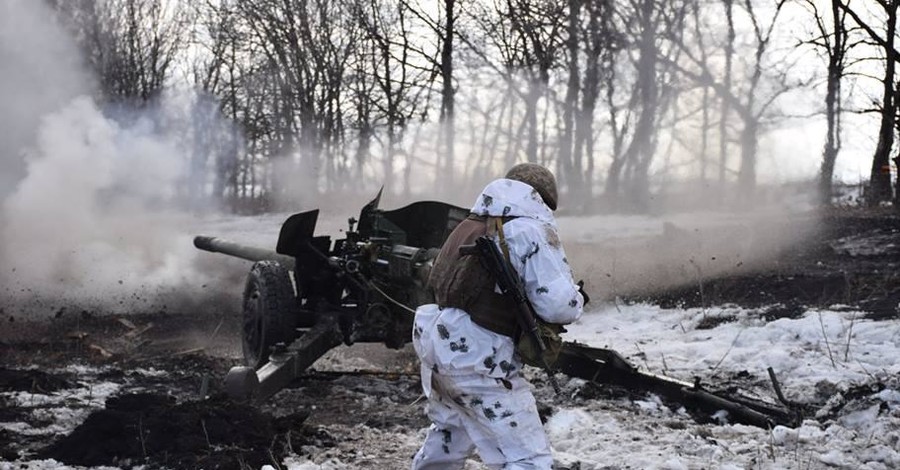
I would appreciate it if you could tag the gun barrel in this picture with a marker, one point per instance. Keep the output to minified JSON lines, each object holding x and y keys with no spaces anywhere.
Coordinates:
{"x":250,"y":253}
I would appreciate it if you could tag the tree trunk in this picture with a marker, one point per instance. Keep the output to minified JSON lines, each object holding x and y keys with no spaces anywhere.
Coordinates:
{"x":726,"y":84}
{"x":643,"y":144}
{"x":747,"y":173}
{"x":832,"y":107}
{"x":880,"y":177}
{"x":704,"y":105}
{"x":447,"y":98}
{"x":531,"y":120}
{"x":584,"y":131}
{"x":613,"y":174}
{"x":570,"y":177}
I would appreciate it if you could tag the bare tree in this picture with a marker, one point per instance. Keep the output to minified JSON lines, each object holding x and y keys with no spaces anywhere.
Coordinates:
{"x":599,"y":42}
{"x":728,"y":48}
{"x":400,"y":81}
{"x":745,"y":99}
{"x":522,"y":42}
{"x":880,"y":177}
{"x":644,"y":21}
{"x":306,"y":48}
{"x":448,"y":101}
{"x":319,"y":88}
{"x":131,"y":45}
{"x":323,"y":90}
{"x":215,"y":74}
{"x":588,"y":37}
{"x":571,"y":178}
{"x":706,"y":100}
{"x":831,"y":40}
{"x":536,"y":28}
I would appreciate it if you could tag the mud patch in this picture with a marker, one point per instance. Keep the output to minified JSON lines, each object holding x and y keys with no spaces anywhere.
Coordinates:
{"x":151,"y":429}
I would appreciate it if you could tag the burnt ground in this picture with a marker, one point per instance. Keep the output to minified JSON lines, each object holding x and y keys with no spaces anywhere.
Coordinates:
{"x":148,"y":386}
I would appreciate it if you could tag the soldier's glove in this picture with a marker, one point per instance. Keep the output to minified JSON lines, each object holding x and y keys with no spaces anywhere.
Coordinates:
{"x":583,"y":293}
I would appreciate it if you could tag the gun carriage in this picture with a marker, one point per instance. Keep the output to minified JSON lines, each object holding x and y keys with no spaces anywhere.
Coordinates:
{"x":312,"y":294}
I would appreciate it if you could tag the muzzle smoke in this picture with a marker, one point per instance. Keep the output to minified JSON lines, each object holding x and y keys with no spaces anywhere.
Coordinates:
{"x":89,"y":207}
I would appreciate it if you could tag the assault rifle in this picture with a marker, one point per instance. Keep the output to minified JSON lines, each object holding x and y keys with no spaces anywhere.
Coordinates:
{"x":511,"y":286}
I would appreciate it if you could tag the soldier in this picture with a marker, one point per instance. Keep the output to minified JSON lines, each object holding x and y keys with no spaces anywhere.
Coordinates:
{"x":466,"y":340}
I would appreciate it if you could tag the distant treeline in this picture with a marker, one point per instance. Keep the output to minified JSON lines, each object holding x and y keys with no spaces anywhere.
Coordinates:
{"x":618,"y":97}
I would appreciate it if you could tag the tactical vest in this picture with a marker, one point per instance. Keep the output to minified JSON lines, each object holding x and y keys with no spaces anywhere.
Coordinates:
{"x":462,"y":282}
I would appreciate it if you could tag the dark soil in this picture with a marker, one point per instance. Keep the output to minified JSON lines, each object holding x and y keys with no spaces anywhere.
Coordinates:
{"x":216,"y":433}
{"x":30,"y":380}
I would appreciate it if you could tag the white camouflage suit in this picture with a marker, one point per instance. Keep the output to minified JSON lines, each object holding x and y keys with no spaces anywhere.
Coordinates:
{"x":477,"y":397}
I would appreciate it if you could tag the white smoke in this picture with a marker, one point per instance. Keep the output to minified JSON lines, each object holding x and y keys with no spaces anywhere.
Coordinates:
{"x":86,"y":202}
{"x":40,"y":70}
{"x":95,"y":219}
{"x":89,"y":212}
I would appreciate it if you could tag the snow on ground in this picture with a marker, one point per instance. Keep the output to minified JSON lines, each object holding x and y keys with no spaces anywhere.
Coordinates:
{"x":59,"y":412}
{"x":822,"y":350}
{"x":835,"y":346}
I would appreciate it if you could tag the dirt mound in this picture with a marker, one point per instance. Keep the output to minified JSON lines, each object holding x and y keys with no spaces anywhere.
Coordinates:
{"x":148,"y":428}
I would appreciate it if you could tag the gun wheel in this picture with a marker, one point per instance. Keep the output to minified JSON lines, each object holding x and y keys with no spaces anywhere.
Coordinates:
{"x":269,"y":311}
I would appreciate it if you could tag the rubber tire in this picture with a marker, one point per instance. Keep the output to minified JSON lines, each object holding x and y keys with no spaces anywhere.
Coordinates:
{"x":269,"y":312}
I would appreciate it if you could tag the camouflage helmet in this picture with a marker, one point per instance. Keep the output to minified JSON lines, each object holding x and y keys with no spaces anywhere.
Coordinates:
{"x":539,"y":178}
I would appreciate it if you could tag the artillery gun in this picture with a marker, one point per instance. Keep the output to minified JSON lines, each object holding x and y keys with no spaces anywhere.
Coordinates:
{"x":312,"y":294}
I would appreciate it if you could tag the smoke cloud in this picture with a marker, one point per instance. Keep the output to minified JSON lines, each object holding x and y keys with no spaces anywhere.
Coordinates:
{"x":86,"y":203}
{"x":40,"y":72}
{"x":89,"y":212}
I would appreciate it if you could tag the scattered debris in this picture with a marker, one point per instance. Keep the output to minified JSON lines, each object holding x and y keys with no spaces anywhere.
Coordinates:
{"x":100,"y":349}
